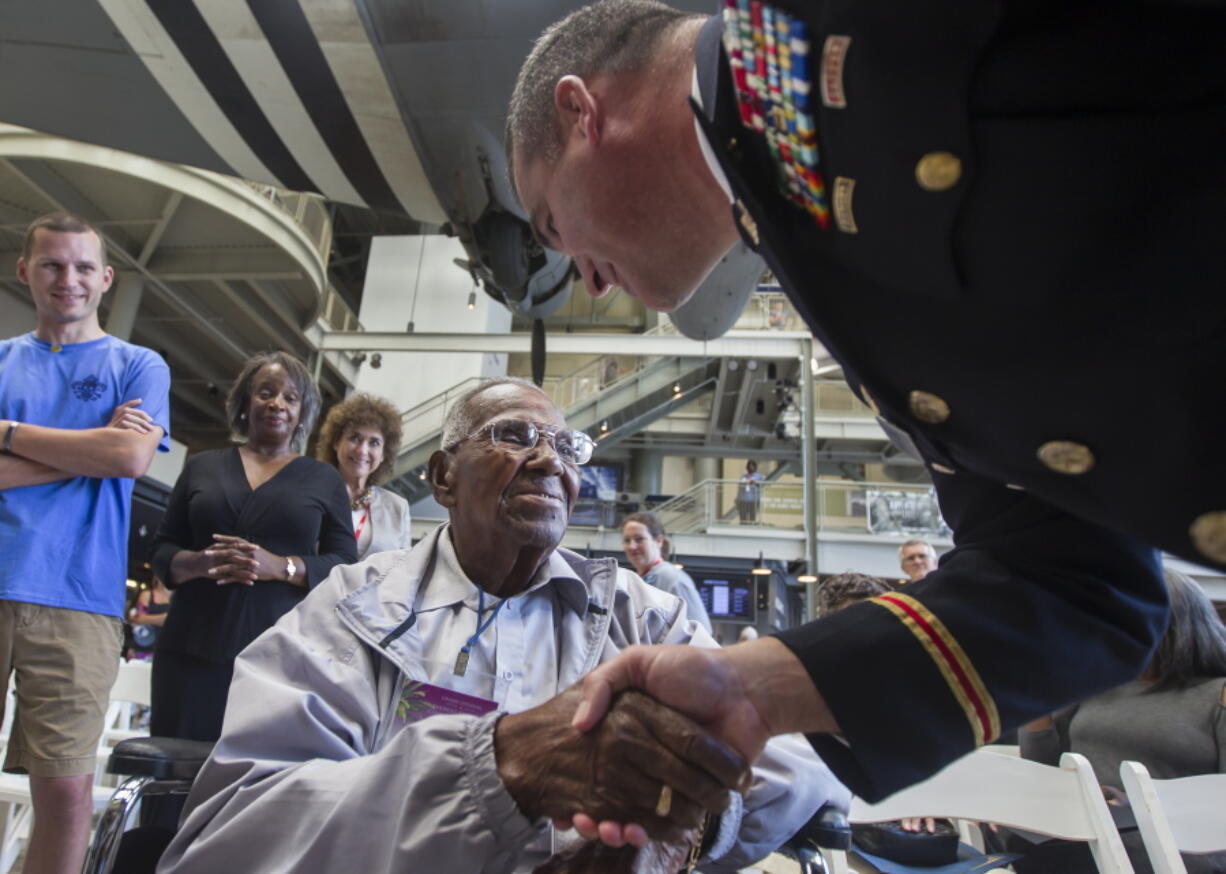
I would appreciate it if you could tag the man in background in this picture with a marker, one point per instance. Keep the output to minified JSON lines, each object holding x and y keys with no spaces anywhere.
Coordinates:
{"x":917,"y":559}
{"x":81,"y":414}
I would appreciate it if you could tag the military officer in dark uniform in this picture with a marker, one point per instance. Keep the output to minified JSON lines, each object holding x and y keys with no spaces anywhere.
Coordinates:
{"x":1007,"y":222}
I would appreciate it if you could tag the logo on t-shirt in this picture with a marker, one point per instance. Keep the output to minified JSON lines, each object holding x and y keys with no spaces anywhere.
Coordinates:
{"x":88,"y":389}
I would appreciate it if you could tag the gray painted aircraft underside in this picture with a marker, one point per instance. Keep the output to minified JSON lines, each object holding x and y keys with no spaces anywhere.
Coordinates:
{"x":390,"y":105}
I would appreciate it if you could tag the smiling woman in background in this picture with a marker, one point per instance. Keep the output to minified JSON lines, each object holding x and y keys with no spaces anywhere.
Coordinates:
{"x":360,"y":438}
{"x":247,"y":532}
{"x":647,"y":550}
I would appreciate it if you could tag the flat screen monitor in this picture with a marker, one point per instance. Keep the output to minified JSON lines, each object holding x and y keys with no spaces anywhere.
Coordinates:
{"x":599,"y":481}
{"x":728,"y":598}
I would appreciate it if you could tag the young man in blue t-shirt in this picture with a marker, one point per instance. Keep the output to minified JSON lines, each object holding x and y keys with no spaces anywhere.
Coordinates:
{"x":81,"y":414}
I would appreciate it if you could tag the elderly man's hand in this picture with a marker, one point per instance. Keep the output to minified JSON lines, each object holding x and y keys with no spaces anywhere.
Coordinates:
{"x":617,"y":769}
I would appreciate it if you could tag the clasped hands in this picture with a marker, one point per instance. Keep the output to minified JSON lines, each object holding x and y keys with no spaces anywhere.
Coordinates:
{"x":615,"y":772}
{"x":234,"y":560}
{"x":721,"y":703}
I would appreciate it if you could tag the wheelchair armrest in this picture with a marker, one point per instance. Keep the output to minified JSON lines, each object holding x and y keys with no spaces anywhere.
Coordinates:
{"x":163,"y":758}
{"x":828,"y":828}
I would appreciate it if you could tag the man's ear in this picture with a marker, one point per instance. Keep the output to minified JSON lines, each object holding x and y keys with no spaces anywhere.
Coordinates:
{"x":438,"y":470}
{"x":23,"y":271}
{"x":578,"y":109}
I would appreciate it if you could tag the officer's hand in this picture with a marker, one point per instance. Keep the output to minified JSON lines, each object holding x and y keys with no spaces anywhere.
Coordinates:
{"x":742,"y":694}
{"x":616,"y":770}
{"x":595,"y":858}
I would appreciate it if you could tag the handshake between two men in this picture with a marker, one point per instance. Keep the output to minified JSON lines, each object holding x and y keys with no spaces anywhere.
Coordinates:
{"x":629,"y":772}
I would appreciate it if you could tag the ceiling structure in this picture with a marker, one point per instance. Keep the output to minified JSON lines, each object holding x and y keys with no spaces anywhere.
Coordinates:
{"x":392,"y":111}
{"x":217,"y":269}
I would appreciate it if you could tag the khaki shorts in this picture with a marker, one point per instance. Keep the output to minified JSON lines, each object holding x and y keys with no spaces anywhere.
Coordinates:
{"x":65,"y":663}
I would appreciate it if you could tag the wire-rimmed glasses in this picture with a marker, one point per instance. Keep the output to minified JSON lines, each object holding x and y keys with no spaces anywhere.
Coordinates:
{"x":519,"y":435}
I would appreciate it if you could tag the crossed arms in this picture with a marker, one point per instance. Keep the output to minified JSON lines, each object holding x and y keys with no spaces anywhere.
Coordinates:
{"x":124,"y":447}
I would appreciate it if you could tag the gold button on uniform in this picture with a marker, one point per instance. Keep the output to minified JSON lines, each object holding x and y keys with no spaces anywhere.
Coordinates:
{"x":1208,"y":535}
{"x":940,"y":468}
{"x":928,"y":407}
{"x":1065,"y":456}
{"x":938,"y":171}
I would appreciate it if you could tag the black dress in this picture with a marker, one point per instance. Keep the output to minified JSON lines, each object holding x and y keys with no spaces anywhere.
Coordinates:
{"x":301,"y":511}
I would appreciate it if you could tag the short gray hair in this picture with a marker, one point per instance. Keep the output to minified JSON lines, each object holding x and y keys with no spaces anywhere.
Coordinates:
{"x":460,"y":420}
{"x":239,"y":399}
{"x":917,"y":541}
{"x":609,"y":37}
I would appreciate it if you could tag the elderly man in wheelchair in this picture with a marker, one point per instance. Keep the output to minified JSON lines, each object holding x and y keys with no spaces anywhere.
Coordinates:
{"x":414,"y":713}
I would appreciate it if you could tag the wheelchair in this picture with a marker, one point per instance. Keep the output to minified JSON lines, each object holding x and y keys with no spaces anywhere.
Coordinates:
{"x":164,"y":768}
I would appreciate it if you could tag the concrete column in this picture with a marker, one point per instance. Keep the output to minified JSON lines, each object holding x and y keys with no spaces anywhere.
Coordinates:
{"x":125,"y":301}
{"x":646,"y":471}
{"x":706,"y":467}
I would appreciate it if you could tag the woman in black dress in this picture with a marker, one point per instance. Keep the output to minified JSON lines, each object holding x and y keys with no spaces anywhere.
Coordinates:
{"x":247,"y":532}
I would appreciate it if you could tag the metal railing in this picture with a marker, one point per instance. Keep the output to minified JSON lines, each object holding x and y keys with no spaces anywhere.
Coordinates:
{"x":307,"y":210}
{"x":426,"y":418}
{"x":846,"y":507}
{"x":336,"y":312}
{"x":768,"y":309}
{"x":835,"y":399}
{"x":591,"y":378}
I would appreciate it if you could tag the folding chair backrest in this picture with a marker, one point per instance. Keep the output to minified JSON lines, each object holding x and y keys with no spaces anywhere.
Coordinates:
{"x":1186,"y":814}
{"x":133,"y":683}
{"x":1064,"y":802}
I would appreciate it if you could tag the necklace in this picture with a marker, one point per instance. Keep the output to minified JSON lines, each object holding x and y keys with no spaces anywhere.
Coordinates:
{"x":362,"y":500}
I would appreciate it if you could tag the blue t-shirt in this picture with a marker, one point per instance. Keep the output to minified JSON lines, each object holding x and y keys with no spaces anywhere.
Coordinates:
{"x":65,"y":544}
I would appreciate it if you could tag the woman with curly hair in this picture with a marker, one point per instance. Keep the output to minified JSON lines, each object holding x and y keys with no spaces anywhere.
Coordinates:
{"x":360,"y":438}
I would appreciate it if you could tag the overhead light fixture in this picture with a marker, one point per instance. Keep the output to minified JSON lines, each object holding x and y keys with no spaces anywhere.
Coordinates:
{"x":676,"y":388}
{"x":472,"y":300}
{"x":759,"y":568}
{"x":807,"y":578}
{"x":604,"y":426}
{"x":421,"y":474}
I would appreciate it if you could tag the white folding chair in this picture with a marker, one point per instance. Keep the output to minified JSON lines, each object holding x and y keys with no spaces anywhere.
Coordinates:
{"x":984,"y":786}
{"x":1187,"y":815}
{"x":132,"y":689}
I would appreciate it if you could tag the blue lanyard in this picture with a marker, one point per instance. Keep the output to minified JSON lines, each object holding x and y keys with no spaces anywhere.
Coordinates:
{"x":461,"y":660}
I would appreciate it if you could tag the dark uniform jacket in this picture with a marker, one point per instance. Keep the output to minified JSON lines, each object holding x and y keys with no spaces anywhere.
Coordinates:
{"x":1025,"y":276}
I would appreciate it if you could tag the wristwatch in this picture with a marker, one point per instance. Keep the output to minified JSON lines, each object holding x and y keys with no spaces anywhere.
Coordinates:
{"x":8,"y":436}
{"x":290,"y":568}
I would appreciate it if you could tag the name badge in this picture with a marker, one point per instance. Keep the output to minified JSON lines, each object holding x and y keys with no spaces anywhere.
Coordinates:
{"x":419,"y":700}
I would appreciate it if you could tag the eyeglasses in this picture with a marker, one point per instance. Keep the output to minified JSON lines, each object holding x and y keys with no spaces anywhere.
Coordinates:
{"x":521,"y":436}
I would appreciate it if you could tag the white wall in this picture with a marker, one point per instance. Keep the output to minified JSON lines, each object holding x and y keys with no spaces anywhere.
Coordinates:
{"x":407,"y":378}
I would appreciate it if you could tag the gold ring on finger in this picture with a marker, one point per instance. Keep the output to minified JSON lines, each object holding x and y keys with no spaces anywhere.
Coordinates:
{"x":665,"y":803}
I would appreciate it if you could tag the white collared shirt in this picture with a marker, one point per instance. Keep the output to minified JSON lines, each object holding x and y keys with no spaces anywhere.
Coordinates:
{"x":515,"y":659}
{"x":708,"y":155}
